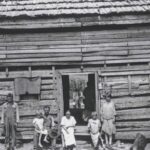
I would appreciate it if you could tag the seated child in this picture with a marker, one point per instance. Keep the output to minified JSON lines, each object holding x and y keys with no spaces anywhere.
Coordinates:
{"x":94,"y":128}
{"x":38,"y":123}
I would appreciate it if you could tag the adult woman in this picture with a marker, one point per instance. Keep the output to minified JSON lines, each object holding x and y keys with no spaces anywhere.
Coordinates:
{"x":68,"y":123}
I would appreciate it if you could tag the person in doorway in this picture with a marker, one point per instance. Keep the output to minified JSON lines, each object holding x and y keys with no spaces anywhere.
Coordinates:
{"x":38,"y":123}
{"x":94,"y":126}
{"x":49,"y":124}
{"x":68,"y":123}
{"x":108,"y":113}
{"x":10,"y":119}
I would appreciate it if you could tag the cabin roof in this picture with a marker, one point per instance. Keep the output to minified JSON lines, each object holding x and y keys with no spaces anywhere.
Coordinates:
{"x":35,"y":8}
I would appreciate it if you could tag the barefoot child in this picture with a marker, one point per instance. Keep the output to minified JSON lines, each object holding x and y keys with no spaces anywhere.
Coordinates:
{"x":108,"y":113}
{"x":38,"y":123}
{"x":94,"y":128}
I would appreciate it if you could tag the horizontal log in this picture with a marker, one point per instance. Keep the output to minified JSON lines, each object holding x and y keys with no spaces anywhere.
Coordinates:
{"x":133,"y":114}
{"x":49,"y":34}
{"x":126,"y":73}
{"x":120,"y":93}
{"x":21,"y":137}
{"x":133,"y":124}
{"x":47,"y":92}
{"x":41,"y":51}
{"x":15,"y":74}
{"x":132,"y":102}
{"x":123,"y":67}
{"x":105,"y":53}
{"x":129,"y":129}
{"x":67,"y":36}
{"x":30,"y":43}
{"x":97,"y":57}
{"x":47,"y":81}
{"x":140,"y":92}
{"x":46,"y":55}
{"x":138,"y":52}
{"x":47,"y":87}
{"x":33,"y":103}
{"x":29,"y":108}
{"x":131,"y":135}
{"x":60,"y":59}
{"x":47,"y":97}
{"x":146,"y":60}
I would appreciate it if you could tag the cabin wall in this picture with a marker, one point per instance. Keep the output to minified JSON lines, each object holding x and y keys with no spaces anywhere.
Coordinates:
{"x":121,"y":57}
{"x":131,"y":94}
{"x":29,"y":105}
{"x":127,"y":45}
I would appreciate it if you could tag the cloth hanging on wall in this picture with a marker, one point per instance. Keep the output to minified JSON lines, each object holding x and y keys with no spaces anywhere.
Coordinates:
{"x":34,"y":85}
{"x":27,"y":86}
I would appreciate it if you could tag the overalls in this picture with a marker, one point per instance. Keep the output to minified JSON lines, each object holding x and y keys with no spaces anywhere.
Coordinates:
{"x":10,"y":124}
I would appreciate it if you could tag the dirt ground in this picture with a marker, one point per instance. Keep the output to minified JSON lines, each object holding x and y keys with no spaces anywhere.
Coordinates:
{"x":29,"y":146}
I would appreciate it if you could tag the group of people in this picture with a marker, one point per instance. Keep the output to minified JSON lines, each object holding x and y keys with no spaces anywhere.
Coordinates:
{"x":44,"y":125}
{"x":105,"y":125}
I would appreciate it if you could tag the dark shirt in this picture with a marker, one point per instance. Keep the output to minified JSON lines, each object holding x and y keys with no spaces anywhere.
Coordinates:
{"x":48,"y":121}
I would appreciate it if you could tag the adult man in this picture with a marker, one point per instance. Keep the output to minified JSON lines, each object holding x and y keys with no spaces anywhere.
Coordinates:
{"x":49,"y":123}
{"x":10,"y":118}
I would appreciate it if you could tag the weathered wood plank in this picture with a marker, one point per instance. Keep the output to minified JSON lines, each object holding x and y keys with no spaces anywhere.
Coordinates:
{"x":132,"y":102}
{"x":15,"y":74}
{"x":133,"y":114}
{"x":131,"y":134}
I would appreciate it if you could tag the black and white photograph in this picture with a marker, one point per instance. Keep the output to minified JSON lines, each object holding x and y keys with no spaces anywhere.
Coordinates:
{"x":74,"y":74}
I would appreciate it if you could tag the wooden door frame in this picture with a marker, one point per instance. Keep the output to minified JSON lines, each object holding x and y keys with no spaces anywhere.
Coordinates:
{"x":97,"y":97}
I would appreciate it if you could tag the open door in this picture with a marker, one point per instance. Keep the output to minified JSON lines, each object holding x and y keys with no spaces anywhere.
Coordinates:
{"x":78,"y":93}
{"x":80,"y":96}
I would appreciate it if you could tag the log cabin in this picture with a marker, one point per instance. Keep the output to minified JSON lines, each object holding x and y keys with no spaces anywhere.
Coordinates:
{"x":106,"y":41}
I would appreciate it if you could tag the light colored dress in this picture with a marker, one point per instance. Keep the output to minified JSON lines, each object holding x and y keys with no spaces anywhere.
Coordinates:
{"x":94,"y":127}
{"x":68,"y":138}
{"x":39,"y":122}
{"x":108,"y":113}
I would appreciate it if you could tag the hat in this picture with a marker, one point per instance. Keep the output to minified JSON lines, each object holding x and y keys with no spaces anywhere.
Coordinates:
{"x":54,"y":132}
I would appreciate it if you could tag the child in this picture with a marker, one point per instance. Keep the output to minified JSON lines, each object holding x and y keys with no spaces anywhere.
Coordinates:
{"x":38,"y":123}
{"x":94,"y":128}
{"x":108,"y":113}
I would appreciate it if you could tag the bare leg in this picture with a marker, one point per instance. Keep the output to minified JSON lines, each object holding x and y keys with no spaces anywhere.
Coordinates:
{"x":106,"y":139}
{"x":45,"y":138}
{"x":35,"y":140}
{"x":110,"y":139}
{"x":40,"y":137}
{"x":53,"y":143}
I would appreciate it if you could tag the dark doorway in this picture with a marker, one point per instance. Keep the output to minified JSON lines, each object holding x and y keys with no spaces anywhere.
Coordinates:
{"x":79,"y":95}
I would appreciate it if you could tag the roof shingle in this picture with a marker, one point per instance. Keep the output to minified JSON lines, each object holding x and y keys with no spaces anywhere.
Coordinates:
{"x":35,"y":8}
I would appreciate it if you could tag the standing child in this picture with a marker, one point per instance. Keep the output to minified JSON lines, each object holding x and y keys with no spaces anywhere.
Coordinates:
{"x":94,"y":128}
{"x":108,"y":113}
{"x":38,"y":123}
